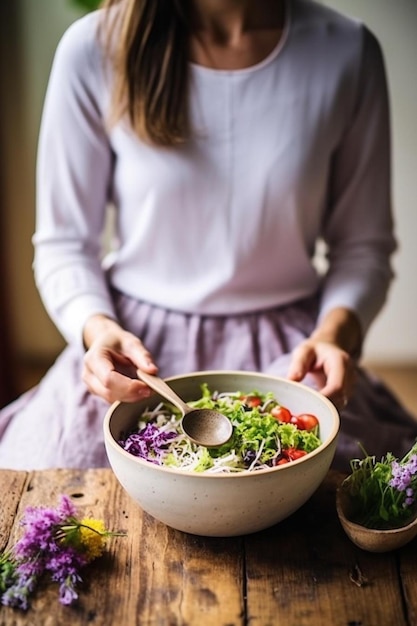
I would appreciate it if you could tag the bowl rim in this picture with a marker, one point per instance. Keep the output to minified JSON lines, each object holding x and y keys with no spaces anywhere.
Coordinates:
{"x":108,"y":437}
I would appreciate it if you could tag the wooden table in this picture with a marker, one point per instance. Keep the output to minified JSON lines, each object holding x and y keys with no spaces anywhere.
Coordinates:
{"x":304,"y":571}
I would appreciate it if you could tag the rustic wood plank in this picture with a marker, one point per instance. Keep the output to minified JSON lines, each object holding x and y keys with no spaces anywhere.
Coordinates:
{"x":407,"y":567}
{"x":11,"y":487}
{"x":306,"y":571}
{"x":155,"y":576}
{"x":89,"y":492}
{"x":186,"y":579}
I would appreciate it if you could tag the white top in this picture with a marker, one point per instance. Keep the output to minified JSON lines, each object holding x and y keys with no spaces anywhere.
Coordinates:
{"x":286,"y":151}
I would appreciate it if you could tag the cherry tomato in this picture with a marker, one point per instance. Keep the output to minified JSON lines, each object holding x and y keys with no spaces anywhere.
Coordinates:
{"x":305,"y":421}
{"x":281,"y":414}
{"x":294,"y":453}
{"x":251,"y":401}
{"x":282,"y":461}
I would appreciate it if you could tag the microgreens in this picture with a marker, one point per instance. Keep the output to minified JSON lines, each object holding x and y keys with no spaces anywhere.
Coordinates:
{"x":383,"y":493}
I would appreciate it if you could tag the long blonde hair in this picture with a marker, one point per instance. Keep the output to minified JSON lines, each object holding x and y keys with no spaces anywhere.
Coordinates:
{"x":147,"y":41}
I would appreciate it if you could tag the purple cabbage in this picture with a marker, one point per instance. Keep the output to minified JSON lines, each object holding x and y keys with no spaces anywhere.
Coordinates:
{"x":150,"y":443}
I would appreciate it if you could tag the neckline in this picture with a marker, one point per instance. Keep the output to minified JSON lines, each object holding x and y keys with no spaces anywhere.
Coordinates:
{"x":257,"y":66}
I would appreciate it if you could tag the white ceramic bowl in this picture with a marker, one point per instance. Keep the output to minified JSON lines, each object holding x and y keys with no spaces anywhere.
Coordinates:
{"x":223,"y":504}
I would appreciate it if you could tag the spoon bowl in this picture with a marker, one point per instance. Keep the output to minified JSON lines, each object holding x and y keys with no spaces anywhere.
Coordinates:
{"x":204,"y":427}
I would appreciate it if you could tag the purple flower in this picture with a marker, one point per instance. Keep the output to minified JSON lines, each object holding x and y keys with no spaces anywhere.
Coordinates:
{"x":17,"y":595}
{"x":40,"y":524}
{"x":40,"y":550}
{"x":65,"y":563}
{"x":31,"y":568}
{"x":67,"y":593}
{"x":402,"y":479}
{"x":66,"y":508}
{"x":50,"y":545}
{"x":402,"y":474}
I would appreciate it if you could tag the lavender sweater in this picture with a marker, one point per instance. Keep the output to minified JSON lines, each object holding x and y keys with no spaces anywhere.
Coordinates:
{"x":286,"y":152}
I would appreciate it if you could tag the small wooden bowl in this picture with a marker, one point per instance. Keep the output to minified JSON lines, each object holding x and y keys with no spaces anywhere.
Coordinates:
{"x":371,"y":539}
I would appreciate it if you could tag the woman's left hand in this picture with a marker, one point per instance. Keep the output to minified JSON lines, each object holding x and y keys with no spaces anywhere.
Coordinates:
{"x":329,"y":363}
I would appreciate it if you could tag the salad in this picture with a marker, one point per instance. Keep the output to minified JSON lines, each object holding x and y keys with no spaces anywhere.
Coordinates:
{"x":265,"y":434}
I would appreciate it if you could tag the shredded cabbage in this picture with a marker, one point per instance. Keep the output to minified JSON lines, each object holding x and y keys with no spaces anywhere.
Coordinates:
{"x":259,"y":440}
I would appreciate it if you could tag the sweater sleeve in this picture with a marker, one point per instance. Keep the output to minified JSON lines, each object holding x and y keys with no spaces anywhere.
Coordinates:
{"x":73,"y":173}
{"x":358,"y":228}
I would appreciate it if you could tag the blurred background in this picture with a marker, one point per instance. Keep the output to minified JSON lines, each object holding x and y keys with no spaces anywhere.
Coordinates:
{"x":29,"y":33}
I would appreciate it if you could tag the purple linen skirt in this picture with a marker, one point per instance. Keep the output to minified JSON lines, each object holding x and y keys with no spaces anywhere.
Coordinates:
{"x":58,"y":423}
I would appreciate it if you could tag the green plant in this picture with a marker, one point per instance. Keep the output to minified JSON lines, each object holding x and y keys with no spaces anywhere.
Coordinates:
{"x":383,"y":493}
{"x":88,"y":5}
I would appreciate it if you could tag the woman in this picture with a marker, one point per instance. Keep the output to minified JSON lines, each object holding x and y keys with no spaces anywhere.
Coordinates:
{"x":230,"y":136}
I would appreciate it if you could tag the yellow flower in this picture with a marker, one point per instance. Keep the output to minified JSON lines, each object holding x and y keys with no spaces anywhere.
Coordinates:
{"x":93,"y":537}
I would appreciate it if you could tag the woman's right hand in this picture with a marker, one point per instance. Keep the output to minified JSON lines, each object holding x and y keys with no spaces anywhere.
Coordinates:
{"x":113,"y":355}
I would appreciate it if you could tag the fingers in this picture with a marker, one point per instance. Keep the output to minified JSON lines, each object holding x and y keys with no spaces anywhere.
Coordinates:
{"x":328,"y":363}
{"x":340,"y":377}
{"x":141,"y":358}
{"x":110,"y":365}
{"x":115,"y":387}
{"x":302,"y":362}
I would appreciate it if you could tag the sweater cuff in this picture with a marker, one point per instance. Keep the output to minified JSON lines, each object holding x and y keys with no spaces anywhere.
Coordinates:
{"x":73,"y":316}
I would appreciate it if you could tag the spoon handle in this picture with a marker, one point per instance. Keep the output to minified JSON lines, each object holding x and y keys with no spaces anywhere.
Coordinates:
{"x":161,"y":387}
